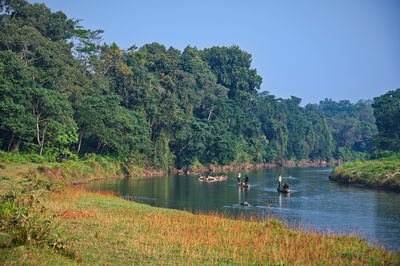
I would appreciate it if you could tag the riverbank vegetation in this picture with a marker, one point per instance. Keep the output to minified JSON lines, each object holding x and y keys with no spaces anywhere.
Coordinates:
{"x":383,"y":173}
{"x":43,"y":223}
{"x":384,"y":170}
{"x":14,"y":166}
{"x":64,"y":91}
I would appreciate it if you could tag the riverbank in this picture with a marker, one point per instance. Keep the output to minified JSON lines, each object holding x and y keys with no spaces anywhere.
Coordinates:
{"x":378,"y":174}
{"x":245,"y":167}
{"x":92,"y":167}
{"x":93,"y":228}
{"x":67,"y":225}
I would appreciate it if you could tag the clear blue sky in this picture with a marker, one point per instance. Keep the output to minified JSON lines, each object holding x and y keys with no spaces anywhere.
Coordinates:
{"x":312,"y":49}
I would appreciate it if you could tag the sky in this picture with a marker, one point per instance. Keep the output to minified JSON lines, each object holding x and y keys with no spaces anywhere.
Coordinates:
{"x":311,"y":49}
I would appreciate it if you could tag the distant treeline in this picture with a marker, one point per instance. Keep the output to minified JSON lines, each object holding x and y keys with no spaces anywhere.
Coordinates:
{"x":61,"y":89}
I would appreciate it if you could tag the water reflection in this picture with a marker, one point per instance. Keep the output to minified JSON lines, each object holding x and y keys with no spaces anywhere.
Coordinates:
{"x":314,"y":200}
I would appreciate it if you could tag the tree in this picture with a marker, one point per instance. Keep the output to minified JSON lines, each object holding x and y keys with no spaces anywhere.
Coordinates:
{"x":232,"y":69}
{"x":108,"y":128}
{"x":53,"y":118}
{"x":387,"y":113}
{"x":352,"y":125}
{"x":16,"y":120}
{"x":55,"y":26}
{"x":319,"y":136}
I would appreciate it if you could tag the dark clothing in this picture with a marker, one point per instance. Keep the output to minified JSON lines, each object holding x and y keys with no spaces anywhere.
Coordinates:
{"x":246,"y":179}
{"x":62,"y":156}
{"x":286,"y":186}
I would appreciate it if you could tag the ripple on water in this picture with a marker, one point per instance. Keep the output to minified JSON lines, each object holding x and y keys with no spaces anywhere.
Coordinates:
{"x":137,"y":197}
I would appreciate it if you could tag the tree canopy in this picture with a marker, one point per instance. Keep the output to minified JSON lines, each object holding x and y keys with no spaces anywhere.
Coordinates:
{"x":61,"y":88}
{"x":387,"y":113}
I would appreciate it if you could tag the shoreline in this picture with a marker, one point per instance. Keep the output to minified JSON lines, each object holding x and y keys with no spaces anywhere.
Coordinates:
{"x":80,"y":172}
{"x":145,"y":173}
{"x":233,"y":168}
{"x":141,"y":234}
{"x":374,"y":174}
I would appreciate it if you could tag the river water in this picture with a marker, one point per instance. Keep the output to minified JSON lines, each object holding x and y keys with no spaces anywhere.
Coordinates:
{"x":315,"y":201}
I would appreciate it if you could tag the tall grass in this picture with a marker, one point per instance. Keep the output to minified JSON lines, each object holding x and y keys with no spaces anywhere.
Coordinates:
{"x":86,"y":169}
{"x":17,"y":157}
{"x":123,"y":232}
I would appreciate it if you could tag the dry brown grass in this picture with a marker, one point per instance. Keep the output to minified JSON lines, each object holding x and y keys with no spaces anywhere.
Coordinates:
{"x":121,"y":232}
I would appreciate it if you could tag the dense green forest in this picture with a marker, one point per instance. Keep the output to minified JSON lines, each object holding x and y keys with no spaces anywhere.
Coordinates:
{"x":62,"y":89}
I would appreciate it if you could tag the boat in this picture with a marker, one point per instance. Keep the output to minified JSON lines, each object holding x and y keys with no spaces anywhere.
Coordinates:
{"x":213,"y":178}
{"x":283,"y":190}
{"x":243,"y":185}
{"x":245,"y":203}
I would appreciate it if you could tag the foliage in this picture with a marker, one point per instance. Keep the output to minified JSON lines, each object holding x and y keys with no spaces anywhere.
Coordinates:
{"x":18,"y":157}
{"x":353,"y":127}
{"x":62,"y":90}
{"x":24,"y":220}
{"x":387,"y":113}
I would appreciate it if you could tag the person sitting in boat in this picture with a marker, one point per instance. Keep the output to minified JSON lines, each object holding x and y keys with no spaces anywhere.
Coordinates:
{"x":286,"y":186}
{"x":246,"y":180}
{"x":239,"y":182}
{"x":245,"y":203}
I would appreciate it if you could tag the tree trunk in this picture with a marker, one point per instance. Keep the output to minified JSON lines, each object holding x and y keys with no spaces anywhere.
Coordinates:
{"x":9,"y":144}
{"x":210,"y":113}
{"x":41,"y":150}
{"x":79,"y":143}
{"x":99,"y":144}
{"x":38,"y":137}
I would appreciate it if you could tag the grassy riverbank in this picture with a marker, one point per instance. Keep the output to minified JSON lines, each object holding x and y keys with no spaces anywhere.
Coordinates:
{"x":104,"y":229}
{"x":13,"y":166}
{"x":43,"y":222}
{"x":381,"y":173}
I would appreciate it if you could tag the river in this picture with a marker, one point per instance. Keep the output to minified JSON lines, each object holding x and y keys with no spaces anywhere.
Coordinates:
{"x":315,"y":201}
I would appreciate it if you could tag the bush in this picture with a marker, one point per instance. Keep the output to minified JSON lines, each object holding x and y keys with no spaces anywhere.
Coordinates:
{"x":385,"y":155}
{"x":16,"y":157}
{"x":24,"y":220}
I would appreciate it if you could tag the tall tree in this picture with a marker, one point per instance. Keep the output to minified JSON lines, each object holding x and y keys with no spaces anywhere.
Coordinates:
{"x":16,"y":120}
{"x":232,"y":67}
{"x":387,"y":113}
{"x":53,"y":118}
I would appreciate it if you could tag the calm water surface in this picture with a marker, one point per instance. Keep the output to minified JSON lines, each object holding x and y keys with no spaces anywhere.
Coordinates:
{"x":315,"y":200}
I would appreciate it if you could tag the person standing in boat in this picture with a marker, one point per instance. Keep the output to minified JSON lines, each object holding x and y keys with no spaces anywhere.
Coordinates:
{"x":279,"y":181}
{"x":239,"y":178}
{"x":246,"y":180}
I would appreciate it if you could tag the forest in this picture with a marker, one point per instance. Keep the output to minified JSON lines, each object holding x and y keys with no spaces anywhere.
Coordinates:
{"x":63,"y":90}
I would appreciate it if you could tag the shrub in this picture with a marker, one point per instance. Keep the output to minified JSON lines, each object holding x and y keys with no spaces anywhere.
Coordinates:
{"x":24,"y":220}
